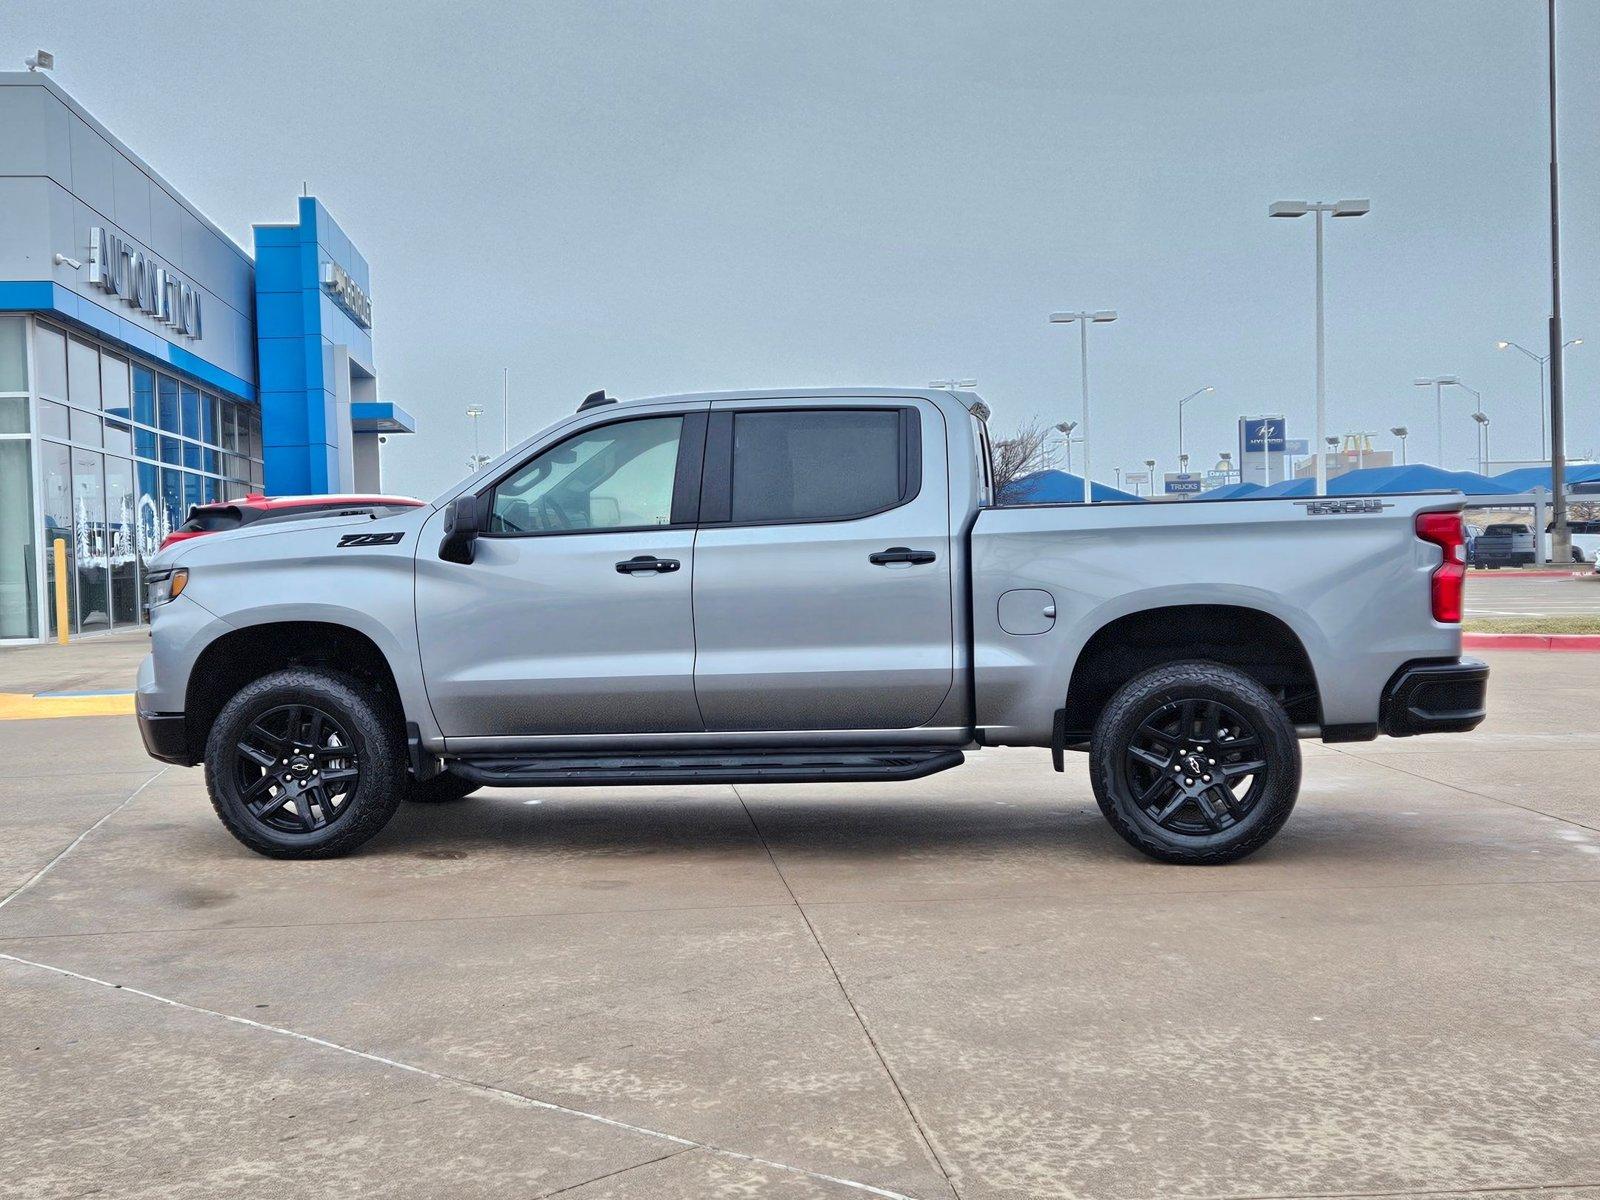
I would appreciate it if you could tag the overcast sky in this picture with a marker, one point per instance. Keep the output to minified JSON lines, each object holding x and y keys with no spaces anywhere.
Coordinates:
{"x":685,"y":196}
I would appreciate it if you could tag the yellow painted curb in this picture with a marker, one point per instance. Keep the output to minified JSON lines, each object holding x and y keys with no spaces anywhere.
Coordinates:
{"x":19,"y":706}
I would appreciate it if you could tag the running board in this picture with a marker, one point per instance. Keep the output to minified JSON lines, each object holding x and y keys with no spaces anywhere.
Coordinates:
{"x":843,"y":764}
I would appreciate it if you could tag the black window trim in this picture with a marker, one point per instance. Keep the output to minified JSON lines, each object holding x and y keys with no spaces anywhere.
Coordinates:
{"x":685,"y":480}
{"x":716,"y":495}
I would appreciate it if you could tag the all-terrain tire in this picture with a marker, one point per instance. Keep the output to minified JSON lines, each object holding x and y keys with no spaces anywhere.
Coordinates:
{"x":1146,"y":720}
{"x":358,"y":731}
{"x":443,"y":788}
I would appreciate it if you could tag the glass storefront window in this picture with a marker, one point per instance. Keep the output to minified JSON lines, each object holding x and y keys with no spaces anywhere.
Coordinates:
{"x":114,"y":386}
{"x":17,"y":558}
{"x":192,"y":425}
{"x":86,"y":428}
{"x":13,"y":355}
{"x":167,"y":404}
{"x":191,"y":492}
{"x":55,"y":480}
{"x":52,"y":419}
{"x":171,"y":450}
{"x":50,"y":362}
{"x":172,"y":510}
{"x":144,"y":442}
{"x":121,"y":541}
{"x":191,"y":456}
{"x":152,"y":524}
{"x":89,"y":517}
{"x":144,"y":396}
{"x":83,"y":374}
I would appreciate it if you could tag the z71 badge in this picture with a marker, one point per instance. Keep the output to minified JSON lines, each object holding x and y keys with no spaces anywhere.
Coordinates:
{"x":1328,"y":508}
{"x":370,"y":539}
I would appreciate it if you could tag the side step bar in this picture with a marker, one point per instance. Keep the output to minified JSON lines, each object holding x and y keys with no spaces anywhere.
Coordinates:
{"x":843,"y":764}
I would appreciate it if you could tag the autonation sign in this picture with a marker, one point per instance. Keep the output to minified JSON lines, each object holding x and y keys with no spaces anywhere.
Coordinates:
{"x":120,"y":268}
{"x":348,"y":293}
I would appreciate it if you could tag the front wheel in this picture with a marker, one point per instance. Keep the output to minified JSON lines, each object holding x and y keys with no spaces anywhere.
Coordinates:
{"x":1195,"y":763}
{"x":304,"y":763}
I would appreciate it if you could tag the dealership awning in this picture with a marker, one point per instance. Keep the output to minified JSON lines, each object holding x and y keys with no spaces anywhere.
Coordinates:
{"x":379,"y":416}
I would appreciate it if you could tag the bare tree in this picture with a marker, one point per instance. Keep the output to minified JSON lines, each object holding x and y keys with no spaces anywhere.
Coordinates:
{"x":1031,"y":448}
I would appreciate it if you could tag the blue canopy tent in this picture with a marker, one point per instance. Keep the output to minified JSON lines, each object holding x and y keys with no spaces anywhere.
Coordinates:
{"x":1060,"y":487}
{"x":1417,"y":477}
{"x":1231,"y":491}
{"x":1525,"y":479}
{"x":1289,"y":487}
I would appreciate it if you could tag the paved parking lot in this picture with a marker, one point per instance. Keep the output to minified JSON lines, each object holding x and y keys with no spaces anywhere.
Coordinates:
{"x":965,"y":986}
{"x":1512,"y":594}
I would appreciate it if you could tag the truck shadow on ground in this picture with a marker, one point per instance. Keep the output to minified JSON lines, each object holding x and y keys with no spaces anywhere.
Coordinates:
{"x":563,"y":822}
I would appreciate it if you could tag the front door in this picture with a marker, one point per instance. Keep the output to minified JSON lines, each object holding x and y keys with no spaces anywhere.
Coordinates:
{"x":822,"y":587}
{"x":574,"y":616}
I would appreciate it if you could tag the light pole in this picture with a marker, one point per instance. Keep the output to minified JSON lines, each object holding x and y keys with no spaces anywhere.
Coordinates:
{"x":1483,"y":439}
{"x":1339,"y":208}
{"x":950,"y":385}
{"x":1438,"y":384}
{"x":1065,"y":430}
{"x":1401,"y":432}
{"x":1150,"y":466}
{"x":474,"y":411}
{"x":1477,"y":396}
{"x":1101,"y":317}
{"x":1197,"y":392}
{"x":1118,"y":470}
{"x":1560,"y":535}
{"x":505,"y":409}
{"x":1543,"y":360}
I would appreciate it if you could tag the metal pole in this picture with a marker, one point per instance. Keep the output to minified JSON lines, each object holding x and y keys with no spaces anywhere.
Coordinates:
{"x":1083,"y":343}
{"x":505,"y":409}
{"x":1438,"y":405}
{"x":1561,"y":535}
{"x":1544,"y":432}
{"x":1322,"y":398}
{"x":1402,"y":452}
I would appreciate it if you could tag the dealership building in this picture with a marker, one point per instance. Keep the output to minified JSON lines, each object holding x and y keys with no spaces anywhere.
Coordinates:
{"x":148,"y":363}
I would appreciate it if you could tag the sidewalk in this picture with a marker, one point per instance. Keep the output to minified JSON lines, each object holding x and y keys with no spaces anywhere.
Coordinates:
{"x":106,"y":663}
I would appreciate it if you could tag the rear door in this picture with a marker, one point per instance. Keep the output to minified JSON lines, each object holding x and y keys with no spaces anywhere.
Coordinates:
{"x":574,"y":615}
{"x":822,"y":589}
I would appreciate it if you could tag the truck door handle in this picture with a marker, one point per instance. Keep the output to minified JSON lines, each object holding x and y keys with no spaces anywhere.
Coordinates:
{"x":646,"y":562}
{"x":901,"y":554}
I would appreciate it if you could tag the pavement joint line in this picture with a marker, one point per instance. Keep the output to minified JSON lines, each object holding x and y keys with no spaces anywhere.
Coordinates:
{"x":866,"y":1032}
{"x":73,"y":844}
{"x":1465,"y":791}
{"x":471,"y":1086}
{"x":649,"y":1162}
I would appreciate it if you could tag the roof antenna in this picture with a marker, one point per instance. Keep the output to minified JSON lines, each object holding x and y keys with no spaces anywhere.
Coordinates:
{"x":595,"y":400}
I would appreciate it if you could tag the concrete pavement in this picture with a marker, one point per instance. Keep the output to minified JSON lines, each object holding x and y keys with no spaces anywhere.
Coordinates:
{"x":965,"y":986}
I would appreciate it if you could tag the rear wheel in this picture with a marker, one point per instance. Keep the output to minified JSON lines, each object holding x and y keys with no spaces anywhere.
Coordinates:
{"x":305,"y":764}
{"x":1195,"y":763}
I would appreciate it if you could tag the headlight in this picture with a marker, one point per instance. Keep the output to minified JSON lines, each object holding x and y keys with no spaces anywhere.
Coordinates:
{"x":166,"y":585}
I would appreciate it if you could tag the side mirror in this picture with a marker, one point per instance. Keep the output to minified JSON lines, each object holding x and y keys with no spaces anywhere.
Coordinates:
{"x":461,"y":529}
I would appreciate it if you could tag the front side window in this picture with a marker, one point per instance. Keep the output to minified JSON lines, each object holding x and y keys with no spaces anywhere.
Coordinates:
{"x":817,"y":465}
{"x":615,"y":477}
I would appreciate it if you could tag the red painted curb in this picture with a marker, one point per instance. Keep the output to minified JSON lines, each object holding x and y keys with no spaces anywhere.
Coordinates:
{"x":1589,"y":642}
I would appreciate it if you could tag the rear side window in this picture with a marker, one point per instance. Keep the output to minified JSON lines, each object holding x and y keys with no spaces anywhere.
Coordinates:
{"x":211,"y":520}
{"x":819,"y":464}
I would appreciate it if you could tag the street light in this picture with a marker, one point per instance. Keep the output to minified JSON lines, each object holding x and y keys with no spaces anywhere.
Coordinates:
{"x":1150,"y":466}
{"x":1478,"y":397}
{"x":1065,"y":430}
{"x":1401,"y":432}
{"x":1100,"y":317}
{"x":1339,"y":208}
{"x":950,"y":385}
{"x":1483,"y":440}
{"x":1543,"y":360}
{"x":1438,"y":383}
{"x":474,"y":411}
{"x":1182,"y":457}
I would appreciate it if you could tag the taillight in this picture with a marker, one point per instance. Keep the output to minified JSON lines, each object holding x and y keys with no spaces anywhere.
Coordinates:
{"x":1449,"y":577}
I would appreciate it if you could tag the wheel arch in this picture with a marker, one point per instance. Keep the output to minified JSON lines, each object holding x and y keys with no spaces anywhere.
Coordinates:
{"x":1261,"y":644}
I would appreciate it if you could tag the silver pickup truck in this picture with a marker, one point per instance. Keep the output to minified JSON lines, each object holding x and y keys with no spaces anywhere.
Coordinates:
{"x":795,"y":586}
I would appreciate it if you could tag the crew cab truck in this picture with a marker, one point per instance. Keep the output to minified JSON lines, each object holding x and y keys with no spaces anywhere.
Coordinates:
{"x":798,"y":586}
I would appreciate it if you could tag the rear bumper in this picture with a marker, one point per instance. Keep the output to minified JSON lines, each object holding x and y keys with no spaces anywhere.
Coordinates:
{"x":1435,"y":697}
{"x":165,"y":737}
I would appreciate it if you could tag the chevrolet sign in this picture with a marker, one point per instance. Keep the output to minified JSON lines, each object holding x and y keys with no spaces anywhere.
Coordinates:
{"x":347,"y":294}
{"x":119,"y":268}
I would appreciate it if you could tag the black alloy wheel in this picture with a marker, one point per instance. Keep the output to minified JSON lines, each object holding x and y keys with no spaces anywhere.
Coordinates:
{"x":296,"y":768}
{"x":1195,"y":767}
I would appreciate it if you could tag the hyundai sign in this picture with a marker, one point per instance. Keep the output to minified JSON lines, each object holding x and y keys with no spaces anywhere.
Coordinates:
{"x":1262,"y":434}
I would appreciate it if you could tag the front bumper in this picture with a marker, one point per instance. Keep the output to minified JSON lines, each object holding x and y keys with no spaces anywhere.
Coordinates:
{"x":1435,"y":697}
{"x":166,"y":737}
